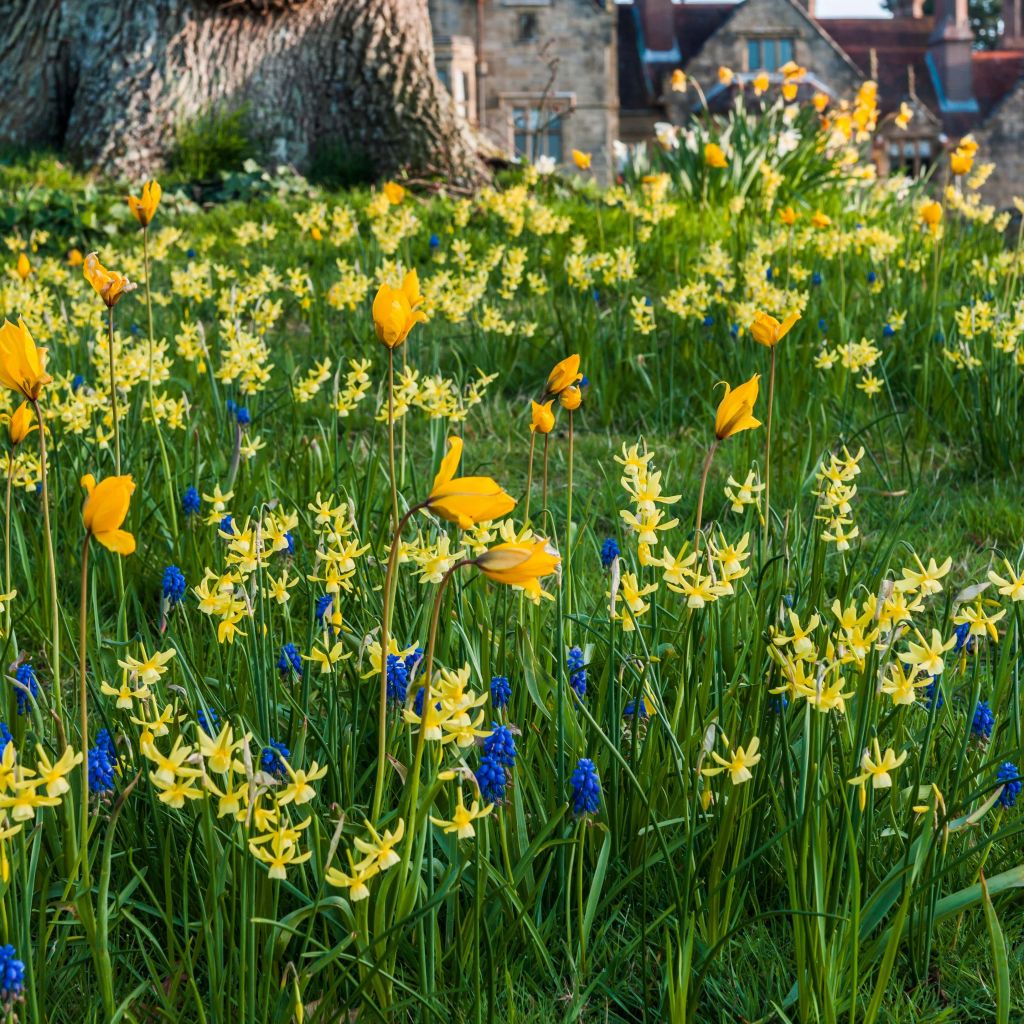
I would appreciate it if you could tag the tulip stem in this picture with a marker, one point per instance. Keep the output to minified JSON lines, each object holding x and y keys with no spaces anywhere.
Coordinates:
{"x":51,"y":565}
{"x":700,"y":497}
{"x":83,"y":704}
{"x":113,"y":390}
{"x":390,"y":584}
{"x":7,"y":546}
{"x":391,"y":440}
{"x":768,"y":446}
{"x":568,"y":530}
{"x":529,"y":477}
{"x":544,"y":497}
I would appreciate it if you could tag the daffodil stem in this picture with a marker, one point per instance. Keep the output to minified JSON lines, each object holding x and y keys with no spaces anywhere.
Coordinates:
{"x":700,"y":497}
{"x":390,"y":581}
{"x":391,"y":439}
{"x":768,"y":445}
{"x":113,"y":390}
{"x":51,"y":565}
{"x":149,"y":382}
{"x":529,"y":475}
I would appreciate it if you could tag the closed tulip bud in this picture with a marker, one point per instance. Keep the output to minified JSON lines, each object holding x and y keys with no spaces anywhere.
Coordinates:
{"x":789,"y":91}
{"x":24,"y":268}
{"x":21,"y":423}
{"x":21,"y":363}
{"x":735,"y":411}
{"x":105,"y":509}
{"x":145,"y":208}
{"x":543,"y":421}
{"x":961,"y":162}
{"x":678,"y":81}
{"x":820,"y":101}
{"x":394,"y":310}
{"x":725,"y":75}
{"x":768,"y":331}
{"x":75,"y":258}
{"x":581,"y":159}
{"x":714,"y":156}
{"x":571,"y":398}
{"x":109,"y":285}
{"x":518,"y":564}
{"x":466,"y":500}
{"x":788,"y":216}
{"x":564,"y":373}
{"x":394,"y":192}
{"x":931,"y":214}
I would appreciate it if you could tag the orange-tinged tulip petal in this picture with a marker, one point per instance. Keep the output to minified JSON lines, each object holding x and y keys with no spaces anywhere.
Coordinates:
{"x":109,"y":285}
{"x":581,"y":159}
{"x":394,"y":192}
{"x":24,"y":268}
{"x":735,"y":411}
{"x":543,"y":419}
{"x":571,"y":398}
{"x":105,"y":509}
{"x":768,"y":331}
{"x":519,"y":564}
{"x":714,"y":156}
{"x":469,"y":499}
{"x":411,"y":289}
{"x":449,"y":464}
{"x":21,"y":363}
{"x":565,"y":373}
{"x":21,"y":423}
{"x":145,"y":208}
{"x":393,"y":315}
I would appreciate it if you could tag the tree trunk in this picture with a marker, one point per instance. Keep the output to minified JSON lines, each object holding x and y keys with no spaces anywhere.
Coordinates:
{"x":111,"y":80}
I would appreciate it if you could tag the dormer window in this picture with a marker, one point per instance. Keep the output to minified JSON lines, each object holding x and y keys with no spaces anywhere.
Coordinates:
{"x":769,"y":54}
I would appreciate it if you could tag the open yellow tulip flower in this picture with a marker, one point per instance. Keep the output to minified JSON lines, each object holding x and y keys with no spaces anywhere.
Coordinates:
{"x":105,"y":509}
{"x":735,"y":411}
{"x":543,"y":419}
{"x":565,"y":374}
{"x":466,"y":500}
{"x":394,"y":310}
{"x":109,"y":285}
{"x":768,"y":331}
{"x":21,"y":363}
{"x":520,"y":564}
{"x":145,"y":208}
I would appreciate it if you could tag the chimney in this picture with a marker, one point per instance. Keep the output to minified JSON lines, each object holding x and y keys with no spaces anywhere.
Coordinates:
{"x":1013,"y":26}
{"x":810,"y":5}
{"x":657,"y":22}
{"x":949,"y":57}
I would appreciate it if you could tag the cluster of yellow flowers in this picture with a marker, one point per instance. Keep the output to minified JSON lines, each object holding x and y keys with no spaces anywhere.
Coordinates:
{"x":835,"y":491}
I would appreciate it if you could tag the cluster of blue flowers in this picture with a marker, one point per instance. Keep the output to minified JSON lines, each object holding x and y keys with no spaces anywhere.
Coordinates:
{"x":190,"y":501}
{"x":270,"y":758}
{"x":227,"y":525}
{"x":501,"y":692}
{"x":586,"y":788}
{"x":208,"y":720}
{"x":240,"y":412}
{"x":1009,"y":777}
{"x":12,"y":975}
{"x":577,"y":671}
{"x":5,"y":737}
{"x":398,"y":679}
{"x":29,"y":684}
{"x":609,"y":552}
{"x":102,"y":758}
{"x":499,"y":754}
{"x":983,"y":720}
{"x":173,"y":585}
{"x":289,"y":660}
{"x":324,"y":603}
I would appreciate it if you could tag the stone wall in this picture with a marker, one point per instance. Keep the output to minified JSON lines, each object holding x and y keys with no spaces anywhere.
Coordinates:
{"x":556,"y":55}
{"x":1001,"y":140}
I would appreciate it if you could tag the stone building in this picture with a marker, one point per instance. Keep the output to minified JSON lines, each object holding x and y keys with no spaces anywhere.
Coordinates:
{"x":539,"y":77}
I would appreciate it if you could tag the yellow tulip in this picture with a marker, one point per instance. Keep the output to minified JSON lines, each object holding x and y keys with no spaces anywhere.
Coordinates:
{"x":21,"y":363}
{"x":820,"y":220}
{"x":736,"y":410}
{"x":75,"y":258}
{"x":109,"y":285}
{"x":543,"y":419}
{"x":466,"y":500}
{"x":678,"y":80}
{"x":931,"y":214}
{"x":714,"y":156}
{"x":519,"y":564}
{"x":393,"y":191}
{"x":961,"y":162}
{"x":581,"y":159}
{"x":105,"y":509}
{"x":789,"y":91}
{"x":788,"y":216}
{"x":571,"y":398}
{"x":725,"y":75}
{"x":761,"y":83}
{"x":820,"y":101}
{"x":24,"y":268}
{"x":145,"y":208}
{"x":565,"y":373}
{"x":768,"y":331}
{"x":394,"y":312}
{"x":21,"y":423}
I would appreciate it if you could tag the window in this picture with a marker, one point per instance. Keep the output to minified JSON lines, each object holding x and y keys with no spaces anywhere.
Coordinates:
{"x":527,"y":28}
{"x":537,"y":132}
{"x":768,"y":54}
{"x":910,"y":156}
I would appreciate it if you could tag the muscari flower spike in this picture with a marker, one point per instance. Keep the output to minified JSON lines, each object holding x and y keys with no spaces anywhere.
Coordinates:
{"x":208,"y":720}
{"x":27,"y":677}
{"x":12,"y":975}
{"x":270,"y":758}
{"x":983,"y":720}
{"x":501,"y":691}
{"x":398,"y":679}
{"x":190,"y":501}
{"x":101,"y":769}
{"x":501,"y":745}
{"x":1009,"y":778}
{"x":609,"y":552}
{"x":289,"y":660}
{"x":577,"y":671}
{"x":174,"y":585}
{"x":491,"y":779}
{"x":586,"y":788}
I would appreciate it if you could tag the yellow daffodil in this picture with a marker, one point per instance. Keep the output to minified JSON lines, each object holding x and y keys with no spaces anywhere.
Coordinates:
{"x":760,"y":83}
{"x":21,"y":363}
{"x":788,"y":216}
{"x":381,"y":851}
{"x":542,"y":418}
{"x":677,"y":82}
{"x":105,"y":509}
{"x":52,"y":775}
{"x":461,"y":822}
{"x":394,"y":310}
{"x":820,"y":101}
{"x":466,"y":500}
{"x":355,"y":879}
{"x":926,"y":656}
{"x":739,"y":763}
{"x":768,"y":331}
{"x":145,"y":208}
{"x":220,"y":749}
{"x":736,"y":409}
{"x":877,"y":769}
{"x":1012,"y":586}
{"x":109,"y":285}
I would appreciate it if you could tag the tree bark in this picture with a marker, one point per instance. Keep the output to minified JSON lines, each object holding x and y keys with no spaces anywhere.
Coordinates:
{"x":110,"y":81}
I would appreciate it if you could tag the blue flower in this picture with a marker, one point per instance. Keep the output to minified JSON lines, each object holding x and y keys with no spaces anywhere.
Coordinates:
{"x":190,"y":253}
{"x":779,"y":703}
{"x":816,"y":277}
{"x":270,"y":758}
{"x":609,"y":552}
{"x":1009,"y":777}
{"x":27,"y":677}
{"x":77,"y":381}
{"x":227,"y":525}
{"x":435,"y":242}
{"x":398,"y":679}
{"x":501,"y":745}
{"x":135,"y":329}
{"x":586,"y":788}
{"x":501,"y":692}
{"x":577,"y":672}
{"x":491,"y":779}
{"x":208,"y":720}
{"x":289,"y":660}
{"x":5,"y":737}
{"x":709,"y":321}
{"x":983,"y":720}
{"x":630,"y":709}
{"x":887,"y":331}
{"x":242,"y":416}
{"x":190,"y":501}
{"x":101,"y":770}
{"x":963,"y":638}
{"x":734,"y":330}
{"x":12,"y":975}
{"x":104,"y":741}
{"x":323,"y":608}
{"x":290,"y":541}
{"x":822,"y":324}
{"x":872,"y":277}
{"x":173,"y":585}
{"x":596,"y":296}
{"x":768,"y":274}
{"x":413,"y":662}
{"x":933,"y":694}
